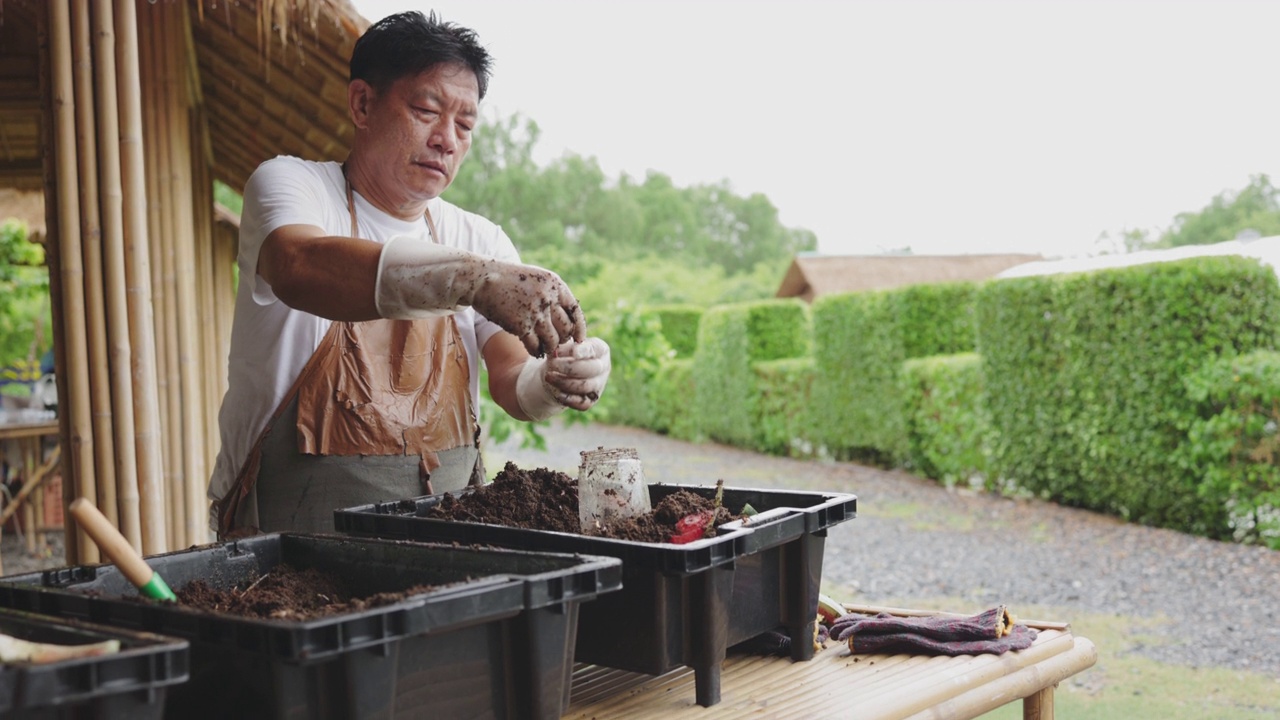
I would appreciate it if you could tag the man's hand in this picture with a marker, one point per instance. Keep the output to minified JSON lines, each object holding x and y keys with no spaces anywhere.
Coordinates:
{"x":574,"y":376}
{"x":531,"y":303}
{"x":578,"y":372}
{"x":421,"y":279}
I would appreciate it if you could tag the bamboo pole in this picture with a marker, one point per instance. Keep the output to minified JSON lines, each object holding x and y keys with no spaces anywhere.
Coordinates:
{"x":91,"y":236}
{"x":141,"y":326}
{"x":184,"y":255}
{"x":75,"y":403}
{"x":113,"y":250}
{"x":29,"y":508}
{"x":152,"y":143}
{"x":168,"y":332}
{"x":52,"y":212}
{"x":209,"y":348}
{"x":210,"y":351}
{"x":33,"y":483}
{"x":40,"y":522}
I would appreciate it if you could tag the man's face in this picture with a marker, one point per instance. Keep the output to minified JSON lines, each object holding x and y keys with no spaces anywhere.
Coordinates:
{"x":420,"y":129}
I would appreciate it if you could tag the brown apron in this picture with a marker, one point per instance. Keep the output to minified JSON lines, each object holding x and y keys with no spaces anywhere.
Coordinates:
{"x":381,"y":411}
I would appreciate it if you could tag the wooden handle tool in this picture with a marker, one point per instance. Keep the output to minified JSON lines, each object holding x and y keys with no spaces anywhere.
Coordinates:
{"x":113,"y":545}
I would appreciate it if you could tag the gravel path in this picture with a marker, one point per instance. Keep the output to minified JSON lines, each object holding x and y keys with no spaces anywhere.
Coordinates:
{"x":914,"y":539}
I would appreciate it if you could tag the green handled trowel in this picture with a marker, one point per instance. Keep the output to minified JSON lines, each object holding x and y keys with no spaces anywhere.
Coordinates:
{"x":114,"y":546}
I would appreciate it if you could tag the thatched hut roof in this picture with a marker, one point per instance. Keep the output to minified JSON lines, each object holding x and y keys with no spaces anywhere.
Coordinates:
{"x":272,"y":80}
{"x":275,"y":91}
{"x":811,"y":276}
{"x":21,"y":163}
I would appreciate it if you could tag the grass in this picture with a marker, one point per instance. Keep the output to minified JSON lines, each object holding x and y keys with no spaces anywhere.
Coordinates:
{"x":1125,"y":684}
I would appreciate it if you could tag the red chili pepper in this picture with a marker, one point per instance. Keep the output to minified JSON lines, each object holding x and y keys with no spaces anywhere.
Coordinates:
{"x":692,"y":527}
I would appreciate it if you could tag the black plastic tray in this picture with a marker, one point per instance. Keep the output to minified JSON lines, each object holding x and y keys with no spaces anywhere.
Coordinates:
{"x":680,"y":604}
{"x":127,"y":684}
{"x":495,"y":640}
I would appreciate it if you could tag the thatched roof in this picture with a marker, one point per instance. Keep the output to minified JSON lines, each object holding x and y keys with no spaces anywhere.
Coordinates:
{"x":272,"y":80}
{"x":1265,"y":249}
{"x":21,"y":163}
{"x":811,"y":276}
{"x":266,"y":95}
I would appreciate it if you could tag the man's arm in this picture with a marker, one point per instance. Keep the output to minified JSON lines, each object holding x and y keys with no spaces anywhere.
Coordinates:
{"x":504,"y":357}
{"x":353,"y":280}
{"x":332,"y":277}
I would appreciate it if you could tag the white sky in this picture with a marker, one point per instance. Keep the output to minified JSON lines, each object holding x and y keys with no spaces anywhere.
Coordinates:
{"x":948,"y":127}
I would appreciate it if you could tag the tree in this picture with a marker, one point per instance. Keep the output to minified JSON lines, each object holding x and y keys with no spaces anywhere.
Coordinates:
{"x":571,"y":209}
{"x":24,"y":297}
{"x":1129,"y":240}
{"x":1255,"y":208}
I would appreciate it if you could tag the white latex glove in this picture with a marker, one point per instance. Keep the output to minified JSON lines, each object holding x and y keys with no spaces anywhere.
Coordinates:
{"x":419,"y":279}
{"x":573,"y":377}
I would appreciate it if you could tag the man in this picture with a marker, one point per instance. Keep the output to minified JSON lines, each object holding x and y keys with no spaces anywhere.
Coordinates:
{"x":365,"y":300}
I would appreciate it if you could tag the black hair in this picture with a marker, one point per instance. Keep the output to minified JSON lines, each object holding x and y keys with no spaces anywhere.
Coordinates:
{"x":409,"y":43}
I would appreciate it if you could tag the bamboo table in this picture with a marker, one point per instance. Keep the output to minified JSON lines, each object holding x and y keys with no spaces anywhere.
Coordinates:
{"x":29,"y":437}
{"x":839,"y":684}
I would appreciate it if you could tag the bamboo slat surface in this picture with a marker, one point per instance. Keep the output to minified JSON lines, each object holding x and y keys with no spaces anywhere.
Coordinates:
{"x":837,"y":683}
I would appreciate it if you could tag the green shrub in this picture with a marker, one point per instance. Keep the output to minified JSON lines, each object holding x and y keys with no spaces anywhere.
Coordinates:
{"x":1233,"y":443}
{"x":1031,"y":404}
{"x":25,"y":315}
{"x":730,"y":339}
{"x":937,"y":318}
{"x":785,"y":396}
{"x":778,"y":329}
{"x":637,"y":350}
{"x":858,"y":355}
{"x":947,"y":426}
{"x":679,"y":324}
{"x":1084,"y":378}
{"x":671,"y":396}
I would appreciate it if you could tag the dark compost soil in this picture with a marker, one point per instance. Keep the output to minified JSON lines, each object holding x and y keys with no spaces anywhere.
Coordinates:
{"x":538,"y":499}
{"x":286,"y":593}
{"x":543,"y":499}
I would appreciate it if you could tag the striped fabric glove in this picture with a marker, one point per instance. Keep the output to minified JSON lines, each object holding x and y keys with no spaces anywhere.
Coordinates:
{"x":992,"y":631}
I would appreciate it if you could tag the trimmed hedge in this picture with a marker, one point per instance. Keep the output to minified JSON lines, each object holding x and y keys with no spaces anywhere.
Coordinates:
{"x":786,"y":392}
{"x":1084,"y":377}
{"x":858,"y":355}
{"x":679,"y":324}
{"x":730,"y":339}
{"x":938,"y":319}
{"x":670,"y":396}
{"x":1233,"y":444}
{"x":949,"y":433}
{"x":637,"y":350}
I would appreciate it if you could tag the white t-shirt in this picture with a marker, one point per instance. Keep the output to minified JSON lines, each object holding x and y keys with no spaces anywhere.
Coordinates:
{"x":270,"y":341}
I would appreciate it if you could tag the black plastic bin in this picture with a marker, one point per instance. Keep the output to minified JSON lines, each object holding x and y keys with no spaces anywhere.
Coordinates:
{"x":680,"y":604}
{"x":127,"y":684}
{"x":494,"y":639}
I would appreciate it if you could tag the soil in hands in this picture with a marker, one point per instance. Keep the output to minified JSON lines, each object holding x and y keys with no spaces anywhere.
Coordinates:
{"x":286,"y":593}
{"x":543,"y":499}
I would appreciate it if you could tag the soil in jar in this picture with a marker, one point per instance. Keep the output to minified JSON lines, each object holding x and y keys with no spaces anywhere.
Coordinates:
{"x":544,"y":499}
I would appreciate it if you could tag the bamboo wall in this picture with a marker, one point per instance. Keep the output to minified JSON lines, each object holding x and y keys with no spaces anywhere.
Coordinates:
{"x":141,"y":281}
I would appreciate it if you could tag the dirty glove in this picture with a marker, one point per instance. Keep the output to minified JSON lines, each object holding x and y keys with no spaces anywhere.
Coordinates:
{"x":573,"y":377}
{"x":578,"y":372}
{"x":419,"y":279}
{"x":992,"y":631}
